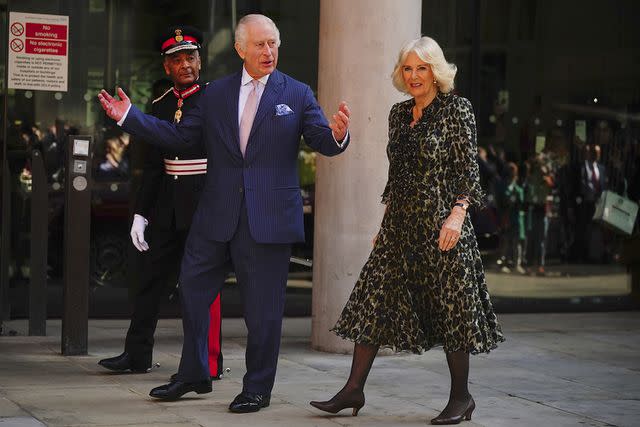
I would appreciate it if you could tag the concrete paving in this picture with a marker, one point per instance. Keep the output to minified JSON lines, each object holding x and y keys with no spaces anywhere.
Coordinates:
{"x":554,"y":370}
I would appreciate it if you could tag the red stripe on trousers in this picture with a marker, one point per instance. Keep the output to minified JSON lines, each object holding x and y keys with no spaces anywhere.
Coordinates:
{"x":215,"y":320}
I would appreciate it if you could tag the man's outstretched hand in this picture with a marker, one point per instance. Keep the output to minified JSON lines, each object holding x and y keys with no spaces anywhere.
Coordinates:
{"x":340,"y":123}
{"x":114,"y":108}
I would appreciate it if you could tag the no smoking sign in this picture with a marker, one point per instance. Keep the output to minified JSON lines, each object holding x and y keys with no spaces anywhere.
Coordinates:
{"x":17,"y":29}
{"x":38,"y":51}
{"x":16,"y":45}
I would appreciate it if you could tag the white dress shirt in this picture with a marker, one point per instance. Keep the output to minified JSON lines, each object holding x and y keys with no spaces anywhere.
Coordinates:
{"x":592,"y":168}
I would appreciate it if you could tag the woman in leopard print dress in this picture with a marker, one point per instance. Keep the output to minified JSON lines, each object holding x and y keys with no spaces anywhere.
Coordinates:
{"x":423,"y":284}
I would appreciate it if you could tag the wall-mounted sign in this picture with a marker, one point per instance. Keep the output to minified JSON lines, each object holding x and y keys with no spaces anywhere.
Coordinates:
{"x":38,"y":51}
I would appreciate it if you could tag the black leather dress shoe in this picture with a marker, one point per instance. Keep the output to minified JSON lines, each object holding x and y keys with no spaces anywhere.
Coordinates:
{"x":124,"y":363}
{"x":175,"y":389}
{"x":249,"y":402}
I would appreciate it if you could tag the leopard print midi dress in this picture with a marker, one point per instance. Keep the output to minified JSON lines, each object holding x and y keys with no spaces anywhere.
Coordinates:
{"x":411,"y":296}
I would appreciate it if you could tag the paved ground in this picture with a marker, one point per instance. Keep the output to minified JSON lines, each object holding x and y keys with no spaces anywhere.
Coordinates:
{"x":555,"y":370}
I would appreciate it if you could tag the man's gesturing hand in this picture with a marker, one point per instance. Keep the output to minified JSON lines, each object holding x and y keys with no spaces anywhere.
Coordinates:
{"x":340,"y":122}
{"x":113,"y":107}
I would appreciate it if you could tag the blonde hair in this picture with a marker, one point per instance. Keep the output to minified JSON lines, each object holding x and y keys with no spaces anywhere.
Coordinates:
{"x":241,"y":28}
{"x":430,"y":52}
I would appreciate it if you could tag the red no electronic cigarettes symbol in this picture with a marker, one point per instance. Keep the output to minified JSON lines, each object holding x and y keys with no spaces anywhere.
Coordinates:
{"x":17,"y":29}
{"x":16,"y":45}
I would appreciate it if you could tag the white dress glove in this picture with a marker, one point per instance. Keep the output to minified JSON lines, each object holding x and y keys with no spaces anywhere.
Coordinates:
{"x":137,"y":233}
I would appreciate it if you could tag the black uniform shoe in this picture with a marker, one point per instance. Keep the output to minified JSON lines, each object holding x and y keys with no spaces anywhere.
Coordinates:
{"x":124,"y":363}
{"x":249,"y":402}
{"x":175,"y":389}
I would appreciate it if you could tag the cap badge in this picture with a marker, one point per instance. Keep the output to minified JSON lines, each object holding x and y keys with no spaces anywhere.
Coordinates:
{"x":178,"y":36}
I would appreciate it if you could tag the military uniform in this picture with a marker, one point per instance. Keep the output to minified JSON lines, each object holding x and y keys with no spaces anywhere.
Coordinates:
{"x":171,"y":186}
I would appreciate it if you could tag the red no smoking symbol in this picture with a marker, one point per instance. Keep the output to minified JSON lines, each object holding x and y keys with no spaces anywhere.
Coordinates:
{"x":16,"y":45}
{"x":17,"y":29}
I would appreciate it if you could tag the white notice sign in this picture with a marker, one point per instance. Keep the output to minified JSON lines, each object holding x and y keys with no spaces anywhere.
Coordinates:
{"x":38,"y":51}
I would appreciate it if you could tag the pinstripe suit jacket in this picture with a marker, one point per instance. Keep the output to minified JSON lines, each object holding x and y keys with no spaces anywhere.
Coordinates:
{"x":267,"y":177}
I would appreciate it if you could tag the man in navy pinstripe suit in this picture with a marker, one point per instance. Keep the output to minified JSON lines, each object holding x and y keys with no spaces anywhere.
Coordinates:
{"x":251,"y":208}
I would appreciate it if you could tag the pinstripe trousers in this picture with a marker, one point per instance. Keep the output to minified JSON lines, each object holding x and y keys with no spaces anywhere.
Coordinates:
{"x":261,"y":270}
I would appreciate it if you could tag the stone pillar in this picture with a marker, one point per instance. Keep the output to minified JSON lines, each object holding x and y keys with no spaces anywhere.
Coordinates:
{"x":359,"y":44}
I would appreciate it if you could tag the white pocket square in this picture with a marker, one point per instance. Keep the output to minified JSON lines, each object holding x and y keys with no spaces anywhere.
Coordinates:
{"x":283,"y":110}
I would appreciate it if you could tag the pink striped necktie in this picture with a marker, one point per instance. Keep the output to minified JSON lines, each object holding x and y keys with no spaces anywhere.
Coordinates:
{"x":248,"y":114}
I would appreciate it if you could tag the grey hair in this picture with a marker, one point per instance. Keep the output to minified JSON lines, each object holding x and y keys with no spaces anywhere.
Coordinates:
{"x":430,"y":52}
{"x":241,"y":28}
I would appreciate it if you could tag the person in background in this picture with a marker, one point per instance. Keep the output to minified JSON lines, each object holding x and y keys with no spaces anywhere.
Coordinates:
{"x":513,"y":221}
{"x":592,"y":178}
{"x":539,"y":183}
{"x":115,"y":164}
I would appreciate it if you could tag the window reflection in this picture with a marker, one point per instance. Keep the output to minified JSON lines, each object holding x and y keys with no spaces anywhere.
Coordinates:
{"x":557,"y":128}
